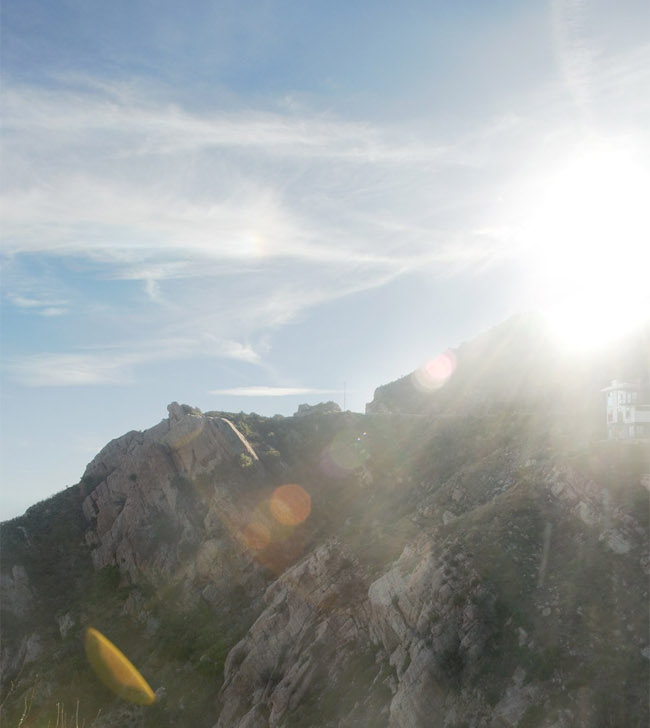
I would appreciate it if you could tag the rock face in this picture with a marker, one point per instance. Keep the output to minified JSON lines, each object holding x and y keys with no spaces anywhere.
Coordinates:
{"x":17,"y":602}
{"x":142,"y":510}
{"x":315,"y":616}
{"x":435,"y":637}
{"x":17,"y":596}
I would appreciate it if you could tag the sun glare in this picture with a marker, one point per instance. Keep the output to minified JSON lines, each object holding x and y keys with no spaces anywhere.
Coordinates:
{"x":588,"y":233}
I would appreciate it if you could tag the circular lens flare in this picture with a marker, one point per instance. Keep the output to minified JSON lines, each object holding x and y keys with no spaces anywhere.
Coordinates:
{"x":290,"y":505}
{"x":256,"y":536}
{"x":436,"y":372}
{"x":344,"y":454}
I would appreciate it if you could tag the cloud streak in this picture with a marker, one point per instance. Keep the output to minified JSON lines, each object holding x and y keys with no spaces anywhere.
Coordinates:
{"x":576,"y":53}
{"x":100,"y":173}
{"x":116,"y":365}
{"x":42,"y":306}
{"x":264,"y":391}
{"x":118,"y":112}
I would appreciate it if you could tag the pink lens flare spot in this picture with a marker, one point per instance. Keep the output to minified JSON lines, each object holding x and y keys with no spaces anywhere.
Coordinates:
{"x":435,"y":372}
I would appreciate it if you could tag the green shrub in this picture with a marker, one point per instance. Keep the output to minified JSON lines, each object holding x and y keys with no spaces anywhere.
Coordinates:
{"x":244,"y":428}
{"x":245,"y":461}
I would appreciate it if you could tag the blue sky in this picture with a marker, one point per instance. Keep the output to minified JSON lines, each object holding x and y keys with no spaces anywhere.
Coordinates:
{"x":207,"y":197}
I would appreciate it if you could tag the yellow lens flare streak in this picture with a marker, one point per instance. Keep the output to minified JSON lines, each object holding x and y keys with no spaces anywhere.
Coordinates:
{"x":115,"y":670}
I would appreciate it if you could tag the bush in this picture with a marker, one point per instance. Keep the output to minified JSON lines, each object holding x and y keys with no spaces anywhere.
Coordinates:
{"x":245,"y":461}
{"x":244,"y":428}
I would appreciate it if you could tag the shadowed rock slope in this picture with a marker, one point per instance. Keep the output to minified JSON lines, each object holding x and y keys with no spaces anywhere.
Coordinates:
{"x":484,"y":563}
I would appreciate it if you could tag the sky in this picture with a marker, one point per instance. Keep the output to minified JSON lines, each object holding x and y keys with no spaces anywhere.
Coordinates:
{"x":247,"y":206}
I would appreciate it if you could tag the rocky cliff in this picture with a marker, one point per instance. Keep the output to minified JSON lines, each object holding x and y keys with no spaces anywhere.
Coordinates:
{"x":481,"y":564}
{"x":138,"y":488}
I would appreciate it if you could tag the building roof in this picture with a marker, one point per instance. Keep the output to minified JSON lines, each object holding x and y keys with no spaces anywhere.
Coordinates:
{"x":616,"y":386}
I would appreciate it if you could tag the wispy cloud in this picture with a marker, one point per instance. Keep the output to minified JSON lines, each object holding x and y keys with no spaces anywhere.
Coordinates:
{"x":262,"y":391}
{"x":98,"y":172}
{"x":119,"y":111}
{"x":576,"y":52}
{"x":52,"y":311}
{"x":40,"y":306}
{"x":596,"y":75}
{"x":64,"y":370}
{"x":116,"y":365}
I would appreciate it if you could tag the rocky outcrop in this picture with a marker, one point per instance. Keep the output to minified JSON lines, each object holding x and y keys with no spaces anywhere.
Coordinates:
{"x":322,"y":408}
{"x":17,"y":595}
{"x":434,"y":619}
{"x":592,"y":504}
{"x":316,"y":615}
{"x":320,"y":615}
{"x":28,"y":650}
{"x":143,"y":508}
{"x":18,"y":603}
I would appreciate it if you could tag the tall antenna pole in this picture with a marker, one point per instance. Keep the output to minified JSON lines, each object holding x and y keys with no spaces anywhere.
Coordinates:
{"x":344,"y":383}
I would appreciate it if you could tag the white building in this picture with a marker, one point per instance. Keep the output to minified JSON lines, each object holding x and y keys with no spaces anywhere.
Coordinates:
{"x":628,"y":416}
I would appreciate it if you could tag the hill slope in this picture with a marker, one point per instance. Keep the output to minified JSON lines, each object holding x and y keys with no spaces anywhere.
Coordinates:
{"x":484,"y":563}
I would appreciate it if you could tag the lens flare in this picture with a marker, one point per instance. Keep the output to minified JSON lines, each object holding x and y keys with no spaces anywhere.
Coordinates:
{"x":436,"y":372}
{"x":290,"y":505}
{"x":115,"y":670}
{"x":256,"y":536}
{"x":344,"y":454}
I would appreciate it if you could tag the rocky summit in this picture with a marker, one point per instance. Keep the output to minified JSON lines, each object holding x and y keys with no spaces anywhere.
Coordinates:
{"x":473,"y":551}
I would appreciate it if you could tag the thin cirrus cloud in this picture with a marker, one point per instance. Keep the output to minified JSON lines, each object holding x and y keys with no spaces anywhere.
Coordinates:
{"x":103,"y":175}
{"x":65,"y":370}
{"x":595,"y":77}
{"x":117,"y":112}
{"x":41,"y":306}
{"x":116,"y":365}
{"x":576,"y":52}
{"x":263,"y":391}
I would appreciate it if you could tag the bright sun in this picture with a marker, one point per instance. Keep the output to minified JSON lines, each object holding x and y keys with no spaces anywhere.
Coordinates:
{"x":586,"y":229}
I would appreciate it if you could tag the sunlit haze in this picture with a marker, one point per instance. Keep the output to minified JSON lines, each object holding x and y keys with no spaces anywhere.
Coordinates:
{"x":588,"y":230}
{"x":248,"y":206}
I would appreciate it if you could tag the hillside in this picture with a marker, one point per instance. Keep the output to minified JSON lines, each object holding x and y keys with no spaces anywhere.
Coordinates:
{"x":473,"y":553}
